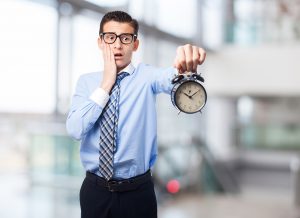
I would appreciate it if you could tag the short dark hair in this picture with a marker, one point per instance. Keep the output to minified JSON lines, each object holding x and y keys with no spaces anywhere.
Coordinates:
{"x":119,"y":16}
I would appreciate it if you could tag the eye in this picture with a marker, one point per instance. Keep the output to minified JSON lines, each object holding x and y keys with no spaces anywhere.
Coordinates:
{"x":126,"y":38}
{"x":110,"y":37}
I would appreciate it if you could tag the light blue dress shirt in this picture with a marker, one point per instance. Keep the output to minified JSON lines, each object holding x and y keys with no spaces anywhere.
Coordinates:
{"x":137,"y":129}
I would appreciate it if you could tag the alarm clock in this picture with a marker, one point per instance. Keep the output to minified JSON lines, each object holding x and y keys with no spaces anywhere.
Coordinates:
{"x":188,"y":95}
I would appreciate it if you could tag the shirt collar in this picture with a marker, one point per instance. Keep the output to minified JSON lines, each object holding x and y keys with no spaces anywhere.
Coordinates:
{"x":129,"y":69}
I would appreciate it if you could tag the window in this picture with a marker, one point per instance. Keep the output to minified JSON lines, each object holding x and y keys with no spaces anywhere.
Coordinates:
{"x":28,"y":57}
{"x":87,"y":57}
{"x":176,"y":17}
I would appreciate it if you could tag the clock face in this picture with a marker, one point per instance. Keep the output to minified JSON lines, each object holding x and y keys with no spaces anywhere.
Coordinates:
{"x":190,"y":97}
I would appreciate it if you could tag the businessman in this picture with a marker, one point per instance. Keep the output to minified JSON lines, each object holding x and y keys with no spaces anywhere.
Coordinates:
{"x":113,"y":114}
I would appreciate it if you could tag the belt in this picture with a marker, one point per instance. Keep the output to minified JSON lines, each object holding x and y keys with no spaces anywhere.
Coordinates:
{"x":120,"y":185}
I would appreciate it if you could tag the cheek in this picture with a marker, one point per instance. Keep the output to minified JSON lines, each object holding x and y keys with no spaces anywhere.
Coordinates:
{"x":128,"y":54}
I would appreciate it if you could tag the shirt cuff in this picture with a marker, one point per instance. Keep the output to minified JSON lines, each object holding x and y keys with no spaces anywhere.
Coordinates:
{"x":100,"y":97}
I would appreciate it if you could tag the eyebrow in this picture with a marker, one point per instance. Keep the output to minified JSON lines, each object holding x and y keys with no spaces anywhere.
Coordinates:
{"x":120,"y":33}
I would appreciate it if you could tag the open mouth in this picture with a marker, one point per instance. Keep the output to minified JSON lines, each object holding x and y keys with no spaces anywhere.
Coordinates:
{"x":118,"y":55}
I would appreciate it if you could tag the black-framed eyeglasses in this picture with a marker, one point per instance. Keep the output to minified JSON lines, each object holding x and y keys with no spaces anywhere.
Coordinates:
{"x":125,"y":38}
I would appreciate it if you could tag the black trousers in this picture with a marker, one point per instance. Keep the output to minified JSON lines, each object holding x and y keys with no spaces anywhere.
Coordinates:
{"x":98,"y":202}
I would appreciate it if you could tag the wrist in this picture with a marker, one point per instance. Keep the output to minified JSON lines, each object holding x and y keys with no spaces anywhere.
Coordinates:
{"x":106,"y":86}
{"x":100,"y":97}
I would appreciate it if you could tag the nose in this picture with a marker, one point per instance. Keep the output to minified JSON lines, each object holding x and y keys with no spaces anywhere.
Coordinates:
{"x":118,"y":43}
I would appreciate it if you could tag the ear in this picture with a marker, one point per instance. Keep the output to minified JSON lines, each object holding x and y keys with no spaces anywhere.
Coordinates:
{"x":136,"y":44}
{"x":100,"y":44}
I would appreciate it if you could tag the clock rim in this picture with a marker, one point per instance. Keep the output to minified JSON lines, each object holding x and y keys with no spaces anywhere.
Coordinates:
{"x":175,"y":89}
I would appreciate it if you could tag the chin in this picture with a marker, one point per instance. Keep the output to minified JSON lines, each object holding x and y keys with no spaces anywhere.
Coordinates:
{"x":121,"y":65}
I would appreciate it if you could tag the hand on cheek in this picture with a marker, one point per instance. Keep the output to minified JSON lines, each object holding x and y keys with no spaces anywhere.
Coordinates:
{"x":110,"y":68}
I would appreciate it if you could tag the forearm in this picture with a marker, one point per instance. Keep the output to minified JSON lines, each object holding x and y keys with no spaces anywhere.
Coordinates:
{"x":162,"y":80}
{"x":82,"y":119}
{"x":85,"y":112}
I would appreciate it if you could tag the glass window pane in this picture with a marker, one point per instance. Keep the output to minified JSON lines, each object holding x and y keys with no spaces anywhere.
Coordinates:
{"x":108,"y":3}
{"x":87,"y":57}
{"x":213,"y":23}
{"x":27,"y":54}
{"x":176,"y":17}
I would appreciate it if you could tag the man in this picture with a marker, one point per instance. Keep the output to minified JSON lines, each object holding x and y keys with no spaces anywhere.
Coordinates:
{"x":113,"y":114}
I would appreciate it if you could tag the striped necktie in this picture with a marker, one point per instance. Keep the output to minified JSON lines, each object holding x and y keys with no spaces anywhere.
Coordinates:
{"x":108,"y":127}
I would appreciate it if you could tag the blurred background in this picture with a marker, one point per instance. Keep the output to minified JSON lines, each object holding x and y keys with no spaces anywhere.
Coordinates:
{"x":239,"y":158}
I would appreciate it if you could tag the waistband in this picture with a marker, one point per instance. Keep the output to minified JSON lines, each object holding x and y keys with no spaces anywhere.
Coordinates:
{"x":120,"y":185}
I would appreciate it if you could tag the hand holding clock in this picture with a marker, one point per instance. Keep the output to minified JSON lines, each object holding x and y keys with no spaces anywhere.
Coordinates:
{"x":188,"y":57}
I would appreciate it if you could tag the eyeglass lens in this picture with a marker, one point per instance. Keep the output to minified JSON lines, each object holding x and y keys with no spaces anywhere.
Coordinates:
{"x":112,"y":37}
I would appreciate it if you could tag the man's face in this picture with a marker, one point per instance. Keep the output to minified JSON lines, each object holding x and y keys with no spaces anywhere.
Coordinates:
{"x":122,"y":52}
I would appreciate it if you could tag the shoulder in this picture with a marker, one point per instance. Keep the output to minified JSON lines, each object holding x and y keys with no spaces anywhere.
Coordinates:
{"x":89,"y":81}
{"x":146,"y":68}
{"x":90,"y":76}
{"x":155,"y":72}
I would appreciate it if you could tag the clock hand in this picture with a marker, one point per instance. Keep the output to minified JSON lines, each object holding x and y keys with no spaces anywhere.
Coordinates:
{"x":195,"y":93}
{"x":186,"y":95}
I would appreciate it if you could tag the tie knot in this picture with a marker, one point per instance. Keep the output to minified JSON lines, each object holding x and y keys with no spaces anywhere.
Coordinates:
{"x":121,"y":76}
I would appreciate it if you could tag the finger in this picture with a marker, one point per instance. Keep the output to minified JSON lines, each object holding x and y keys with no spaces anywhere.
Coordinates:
{"x":109,"y":58}
{"x":105,"y":52}
{"x":101,"y":44}
{"x":103,"y":47}
{"x":181,"y":59}
{"x":175,"y":63}
{"x":188,"y":50}
{"x":196,"y":58}
{"x":202,"y":54}
{"x":181,"y":70}
{"x":110,"y":53}
{"x":178,"y":67}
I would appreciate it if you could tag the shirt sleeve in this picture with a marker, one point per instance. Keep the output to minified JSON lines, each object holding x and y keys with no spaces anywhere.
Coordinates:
{"x":85,"y":109}
{"x":100,"y":97}
{"x":162,"y":80}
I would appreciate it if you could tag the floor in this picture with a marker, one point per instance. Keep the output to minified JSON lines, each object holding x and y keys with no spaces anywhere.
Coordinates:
{"x":21,"y":199}
{"x":254,"y":205}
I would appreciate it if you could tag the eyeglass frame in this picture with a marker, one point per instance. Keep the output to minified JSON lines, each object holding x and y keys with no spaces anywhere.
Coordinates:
{"x":134,"y":37}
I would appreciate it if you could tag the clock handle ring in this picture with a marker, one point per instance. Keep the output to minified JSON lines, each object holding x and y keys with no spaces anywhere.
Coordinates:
{"x":198,"y":77}
{"x":177,"y":79}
